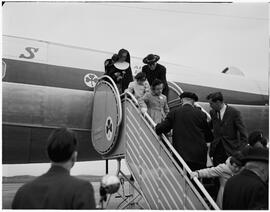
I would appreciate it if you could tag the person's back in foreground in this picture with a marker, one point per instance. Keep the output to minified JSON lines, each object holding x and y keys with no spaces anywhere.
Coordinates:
{"x":56,"y":189}
{"x":248,"y":190}
{"x":190,"y":131}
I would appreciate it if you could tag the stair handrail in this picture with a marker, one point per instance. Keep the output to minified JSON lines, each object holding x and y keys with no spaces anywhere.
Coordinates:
{"x":186,"y":167}
{"x":196,"y":103}
{"x":133,"y":98}
{"x":178,"y":87}
{"x":104,"y":77}
{"x":179,"y":158}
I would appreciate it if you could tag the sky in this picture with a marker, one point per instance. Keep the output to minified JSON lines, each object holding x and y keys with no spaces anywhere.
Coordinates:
{"x":207,"y":37}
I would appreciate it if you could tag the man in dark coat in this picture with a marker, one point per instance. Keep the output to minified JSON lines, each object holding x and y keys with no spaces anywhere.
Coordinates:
{"x":228,"y":129}
{"x":56,"y":189}
{"x":249,"y":189}
{"x":191,"y":131}
{"x":154,"y":70}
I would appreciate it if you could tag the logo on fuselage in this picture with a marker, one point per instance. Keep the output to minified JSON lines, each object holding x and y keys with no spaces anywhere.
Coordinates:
{"x":31,"y":51}
{"x":90,"y":80}
{"x":109,"y":128}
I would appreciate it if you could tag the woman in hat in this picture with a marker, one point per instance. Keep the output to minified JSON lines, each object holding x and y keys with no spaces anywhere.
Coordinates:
{"x":155,"y":103}
{"x":122,"y":70}
{"x":118,"y":68}
{"x":154,"y":70}
{"x":112,"y":72}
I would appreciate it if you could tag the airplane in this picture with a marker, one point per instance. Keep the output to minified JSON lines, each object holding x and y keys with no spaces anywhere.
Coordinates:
{"x":47,"y":85}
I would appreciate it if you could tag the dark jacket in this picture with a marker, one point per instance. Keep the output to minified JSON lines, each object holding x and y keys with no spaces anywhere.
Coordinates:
{"x":245,"y":191}
{"x":158,"y":73}
{"x":230,"y":131}
{"x":56,"y":189}
{"x":190,"y":133}
{"x":127,"y":78}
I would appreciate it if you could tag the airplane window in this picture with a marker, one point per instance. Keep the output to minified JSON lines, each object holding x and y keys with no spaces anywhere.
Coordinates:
{"x":233,"y":71}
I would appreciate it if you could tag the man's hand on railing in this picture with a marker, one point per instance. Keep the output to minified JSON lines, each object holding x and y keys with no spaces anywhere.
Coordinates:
{"x":144,"y":110}
{"x":194,"y":174}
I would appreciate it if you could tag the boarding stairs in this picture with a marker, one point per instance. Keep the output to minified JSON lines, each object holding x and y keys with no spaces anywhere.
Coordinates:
{"x":161,"y":175}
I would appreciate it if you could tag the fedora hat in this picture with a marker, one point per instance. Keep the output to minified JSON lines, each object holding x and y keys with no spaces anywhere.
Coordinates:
{"x":151,"y":58}
{"x":255,"y":154}
{"x":189,"y":95}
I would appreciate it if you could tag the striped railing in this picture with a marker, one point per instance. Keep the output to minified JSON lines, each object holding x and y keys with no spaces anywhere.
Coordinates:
{"x":162,"y":174}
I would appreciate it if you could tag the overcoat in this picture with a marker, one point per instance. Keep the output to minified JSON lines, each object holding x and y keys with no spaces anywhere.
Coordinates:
{"x":56,"y":189}
{"x":191,"y":132}
{"x":245,"y":191}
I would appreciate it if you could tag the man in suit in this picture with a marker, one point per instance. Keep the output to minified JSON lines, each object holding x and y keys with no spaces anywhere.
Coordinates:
{"x":56,"y":189}
{"x":228,"y":129}
{"x":154,"y":70}
{"x":248,"y":190}
{"x":191,"y":131}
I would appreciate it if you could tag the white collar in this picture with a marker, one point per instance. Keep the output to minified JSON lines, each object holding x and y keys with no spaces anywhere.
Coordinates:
{"x":222,"y":111}
{"x":188,"y":103}
{"x":121,"y":65}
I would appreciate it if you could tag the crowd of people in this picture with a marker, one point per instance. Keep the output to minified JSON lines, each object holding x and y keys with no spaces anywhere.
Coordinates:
{"x":230,"y":148}
{"x":240,"y":162}
{"x":237,"y":158}
{"x":149,"y":86}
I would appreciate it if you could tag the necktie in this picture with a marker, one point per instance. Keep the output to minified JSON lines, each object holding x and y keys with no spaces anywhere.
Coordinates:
{"x":218,"y":115}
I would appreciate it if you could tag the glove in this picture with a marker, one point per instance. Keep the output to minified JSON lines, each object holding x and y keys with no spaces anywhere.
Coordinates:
{"x":144,"y":110}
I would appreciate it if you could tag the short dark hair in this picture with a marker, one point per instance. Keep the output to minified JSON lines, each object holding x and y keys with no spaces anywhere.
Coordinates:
{"x":140,"y":76}
{"x":217,"y":96}
{"x":257,"y":136}
{"x":156,"y":82}
{"x":237,"y":158}
{"x":61,"y":145}
{"x":264,"y":141}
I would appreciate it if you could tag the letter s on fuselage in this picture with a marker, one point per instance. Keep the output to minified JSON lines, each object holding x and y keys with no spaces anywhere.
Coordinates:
{"x":31,"y":51}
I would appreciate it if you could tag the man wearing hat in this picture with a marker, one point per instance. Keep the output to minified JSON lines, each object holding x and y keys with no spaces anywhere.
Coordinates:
{"x":249,"y":189}
{"x":154,"y":70}
{"x":191,"y":131}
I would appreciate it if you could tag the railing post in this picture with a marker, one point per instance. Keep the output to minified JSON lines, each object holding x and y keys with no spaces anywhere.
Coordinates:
{"x":185,"y":189}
